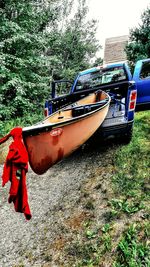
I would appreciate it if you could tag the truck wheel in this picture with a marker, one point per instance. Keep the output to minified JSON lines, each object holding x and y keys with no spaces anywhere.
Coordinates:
{"x":126,"y":138}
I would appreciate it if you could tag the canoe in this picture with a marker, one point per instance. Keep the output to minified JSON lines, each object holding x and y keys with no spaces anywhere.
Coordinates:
{"x":64,"y":131}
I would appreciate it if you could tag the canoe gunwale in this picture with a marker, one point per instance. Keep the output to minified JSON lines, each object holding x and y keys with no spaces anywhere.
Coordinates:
{"x":39,"y":128}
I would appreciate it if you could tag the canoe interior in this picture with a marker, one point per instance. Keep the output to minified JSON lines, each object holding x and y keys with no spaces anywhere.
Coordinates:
{"x":80,"y":107}
{"x":63,"y":101}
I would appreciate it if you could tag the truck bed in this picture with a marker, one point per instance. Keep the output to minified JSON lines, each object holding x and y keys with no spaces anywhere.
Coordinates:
{"x":116,"y":115}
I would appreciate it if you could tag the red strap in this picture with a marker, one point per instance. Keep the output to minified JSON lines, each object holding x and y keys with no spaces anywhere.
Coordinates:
{"x":4,"y":139}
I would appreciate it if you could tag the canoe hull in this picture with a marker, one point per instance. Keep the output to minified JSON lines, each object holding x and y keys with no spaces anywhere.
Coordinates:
{"x":47,"y":148}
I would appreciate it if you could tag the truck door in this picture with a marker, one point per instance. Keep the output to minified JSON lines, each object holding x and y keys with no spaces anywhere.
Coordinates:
{"x":60,"y":88}
{"x":142,"y":78}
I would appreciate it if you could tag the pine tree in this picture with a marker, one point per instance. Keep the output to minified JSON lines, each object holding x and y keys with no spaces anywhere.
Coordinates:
{"x":139,"y":46}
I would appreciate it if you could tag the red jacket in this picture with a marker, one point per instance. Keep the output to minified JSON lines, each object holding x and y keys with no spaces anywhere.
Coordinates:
{"x":15,"y":169}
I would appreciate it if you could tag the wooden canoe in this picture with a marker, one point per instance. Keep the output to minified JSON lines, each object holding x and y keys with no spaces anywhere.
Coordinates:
{"x":64,"y":131}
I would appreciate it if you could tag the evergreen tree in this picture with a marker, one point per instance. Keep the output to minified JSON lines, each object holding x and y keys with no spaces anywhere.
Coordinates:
{"x":139,"y":46}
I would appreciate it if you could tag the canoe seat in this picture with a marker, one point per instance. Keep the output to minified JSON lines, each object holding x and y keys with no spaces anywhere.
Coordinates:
{"x":60,"y":117}
{"x":80,"y":110}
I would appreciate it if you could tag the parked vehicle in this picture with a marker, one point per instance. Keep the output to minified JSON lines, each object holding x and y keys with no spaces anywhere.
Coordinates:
{"x":60,"y":133}
{"x":141,"y":77}
{"x":128,"y":93}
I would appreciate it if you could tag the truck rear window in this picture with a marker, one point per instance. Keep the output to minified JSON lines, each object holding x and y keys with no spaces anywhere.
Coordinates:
{"x":102,"y":76}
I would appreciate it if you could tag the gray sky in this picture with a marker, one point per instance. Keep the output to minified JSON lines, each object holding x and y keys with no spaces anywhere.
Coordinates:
{"x":116,"y":17}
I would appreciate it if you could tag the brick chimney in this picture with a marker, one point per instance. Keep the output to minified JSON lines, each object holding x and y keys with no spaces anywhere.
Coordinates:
{"x":114,"y":49}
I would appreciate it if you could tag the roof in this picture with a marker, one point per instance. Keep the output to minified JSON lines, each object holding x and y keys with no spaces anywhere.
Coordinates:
{"x":115,"y":64}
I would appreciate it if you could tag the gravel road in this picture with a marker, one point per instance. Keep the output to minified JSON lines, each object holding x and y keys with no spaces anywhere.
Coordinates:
{"x":51,"y":197}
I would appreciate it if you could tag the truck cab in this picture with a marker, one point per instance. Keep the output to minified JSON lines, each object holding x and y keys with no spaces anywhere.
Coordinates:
{"x":128,"y":93}
{"x":141,"y":77}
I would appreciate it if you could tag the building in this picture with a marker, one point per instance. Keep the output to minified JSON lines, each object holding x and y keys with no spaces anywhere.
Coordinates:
{"x":114,"y":50}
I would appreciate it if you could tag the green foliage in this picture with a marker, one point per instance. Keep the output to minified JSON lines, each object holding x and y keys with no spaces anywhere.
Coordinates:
{"x":98,"y":61}
{"x":37,"y":40}
{"x":7,"y":125}
{"x":76,"y":43}
{"x":24,"y":67}
{"x":94,"y":243}
{"x":133,"y":249}
{"x":133,"y":161}
{"x":90,"y":234}
{"x":123,"y":205}
{"x":139,"y":46}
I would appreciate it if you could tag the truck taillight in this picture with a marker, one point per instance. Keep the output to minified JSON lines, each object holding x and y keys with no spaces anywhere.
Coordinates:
{"x":45,"y":112}
{"x":46,"y":109}
{"x":132,"y":102}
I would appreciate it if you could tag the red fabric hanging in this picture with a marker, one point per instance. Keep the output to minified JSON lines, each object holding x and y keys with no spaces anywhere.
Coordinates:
{"x":15,"y":169}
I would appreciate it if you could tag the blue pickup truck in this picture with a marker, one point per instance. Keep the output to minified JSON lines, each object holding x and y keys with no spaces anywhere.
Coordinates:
{"x":128,"y":94}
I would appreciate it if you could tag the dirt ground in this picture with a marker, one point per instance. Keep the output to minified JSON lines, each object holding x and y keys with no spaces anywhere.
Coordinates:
{"x":59,"y":204}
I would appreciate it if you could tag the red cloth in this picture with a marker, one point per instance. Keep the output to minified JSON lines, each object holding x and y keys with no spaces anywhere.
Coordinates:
{"x":15,"y":169}
{"x":4,"y":139}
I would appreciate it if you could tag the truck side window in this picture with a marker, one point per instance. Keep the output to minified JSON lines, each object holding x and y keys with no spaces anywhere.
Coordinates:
{"x":145,"y":71}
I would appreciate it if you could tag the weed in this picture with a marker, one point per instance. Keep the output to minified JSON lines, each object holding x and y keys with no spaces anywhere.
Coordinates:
{"x":90,"y":234}
{"x":85,"y":252}
{"x":106,"y":228}
{"x":111,"y":215}
{"x":107,"y":242}
{"x":87,"y":223}
{"x":126,"y":206}
{"x":133,"y":249}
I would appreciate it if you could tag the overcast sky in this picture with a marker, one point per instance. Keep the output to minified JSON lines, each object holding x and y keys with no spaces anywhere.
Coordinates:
{"x":116,"y":17}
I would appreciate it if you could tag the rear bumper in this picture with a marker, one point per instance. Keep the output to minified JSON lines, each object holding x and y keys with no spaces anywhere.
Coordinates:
{"x":122,"y":128}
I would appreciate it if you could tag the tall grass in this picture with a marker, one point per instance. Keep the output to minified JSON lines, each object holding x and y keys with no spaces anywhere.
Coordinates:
{"x":132,"y":162}
{"x":130,"y":202}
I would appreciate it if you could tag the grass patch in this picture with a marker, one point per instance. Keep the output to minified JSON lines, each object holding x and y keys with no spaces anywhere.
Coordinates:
{"x":133,"y":249}
{"x":91,"y":248}
{"x":123,"y":240}
{"x":132,"y":162}
{"x":123,"y":205}
{"x":131,"y":184}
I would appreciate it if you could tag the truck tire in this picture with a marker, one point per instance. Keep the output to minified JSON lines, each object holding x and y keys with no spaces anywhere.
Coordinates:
{"x":126,"y":137}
